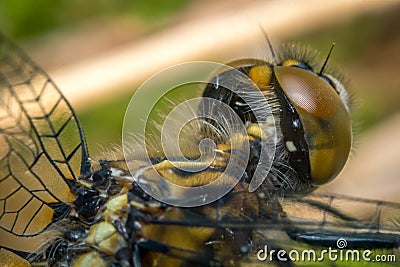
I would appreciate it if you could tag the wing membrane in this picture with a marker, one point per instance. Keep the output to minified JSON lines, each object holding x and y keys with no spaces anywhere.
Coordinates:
{"x":317,"y":220}
{"x":322,"y":220}
{"x":322,"y":213}
{"x":41,"y":147}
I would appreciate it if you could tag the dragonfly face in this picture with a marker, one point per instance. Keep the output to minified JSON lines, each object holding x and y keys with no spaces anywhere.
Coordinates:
{"x":59,"y":208}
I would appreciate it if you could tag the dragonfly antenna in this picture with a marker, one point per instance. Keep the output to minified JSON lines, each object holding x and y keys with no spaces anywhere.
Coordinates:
{"x":326,"y":60}
{"x":271,"y":49}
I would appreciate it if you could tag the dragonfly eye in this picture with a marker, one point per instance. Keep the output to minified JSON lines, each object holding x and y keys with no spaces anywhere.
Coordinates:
{"x":324,"y":117}
{"x":328,"y":80}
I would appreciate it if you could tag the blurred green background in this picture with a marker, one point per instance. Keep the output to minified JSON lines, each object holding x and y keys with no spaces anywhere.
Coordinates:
{"x":366,"y":50}
{"x":22,"y":19}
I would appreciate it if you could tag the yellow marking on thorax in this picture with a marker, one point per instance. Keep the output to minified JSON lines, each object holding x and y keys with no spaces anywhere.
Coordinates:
{"x":261,"y":76}
{"x":104,"y":236}
{"x":181,"y":237}
{"x":114,"y":206}
{"x":91,"y":259}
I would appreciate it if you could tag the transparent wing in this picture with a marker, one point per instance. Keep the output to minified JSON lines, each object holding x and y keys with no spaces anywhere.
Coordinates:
{"x":318,"y":222}
{"x":42,"y":147}
{"x":312,"y":222}
{"x":344,"y":213}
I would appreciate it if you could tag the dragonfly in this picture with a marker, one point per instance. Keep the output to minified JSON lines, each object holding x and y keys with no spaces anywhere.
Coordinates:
{"x":58,"y":207}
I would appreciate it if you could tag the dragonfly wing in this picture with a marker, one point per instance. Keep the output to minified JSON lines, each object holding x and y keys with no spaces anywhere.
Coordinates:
{"x":321,"y":219}
{"x":309,"y":222}
{"x":42,"y":148}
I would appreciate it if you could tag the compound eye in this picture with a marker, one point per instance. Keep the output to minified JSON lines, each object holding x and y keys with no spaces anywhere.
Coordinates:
{"x":324,"y":117}
{"x":326,"y":78}
{"x":341,"y":90}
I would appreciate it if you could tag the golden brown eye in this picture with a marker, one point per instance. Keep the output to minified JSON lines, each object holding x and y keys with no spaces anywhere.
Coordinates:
{"x":324,"y":118}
